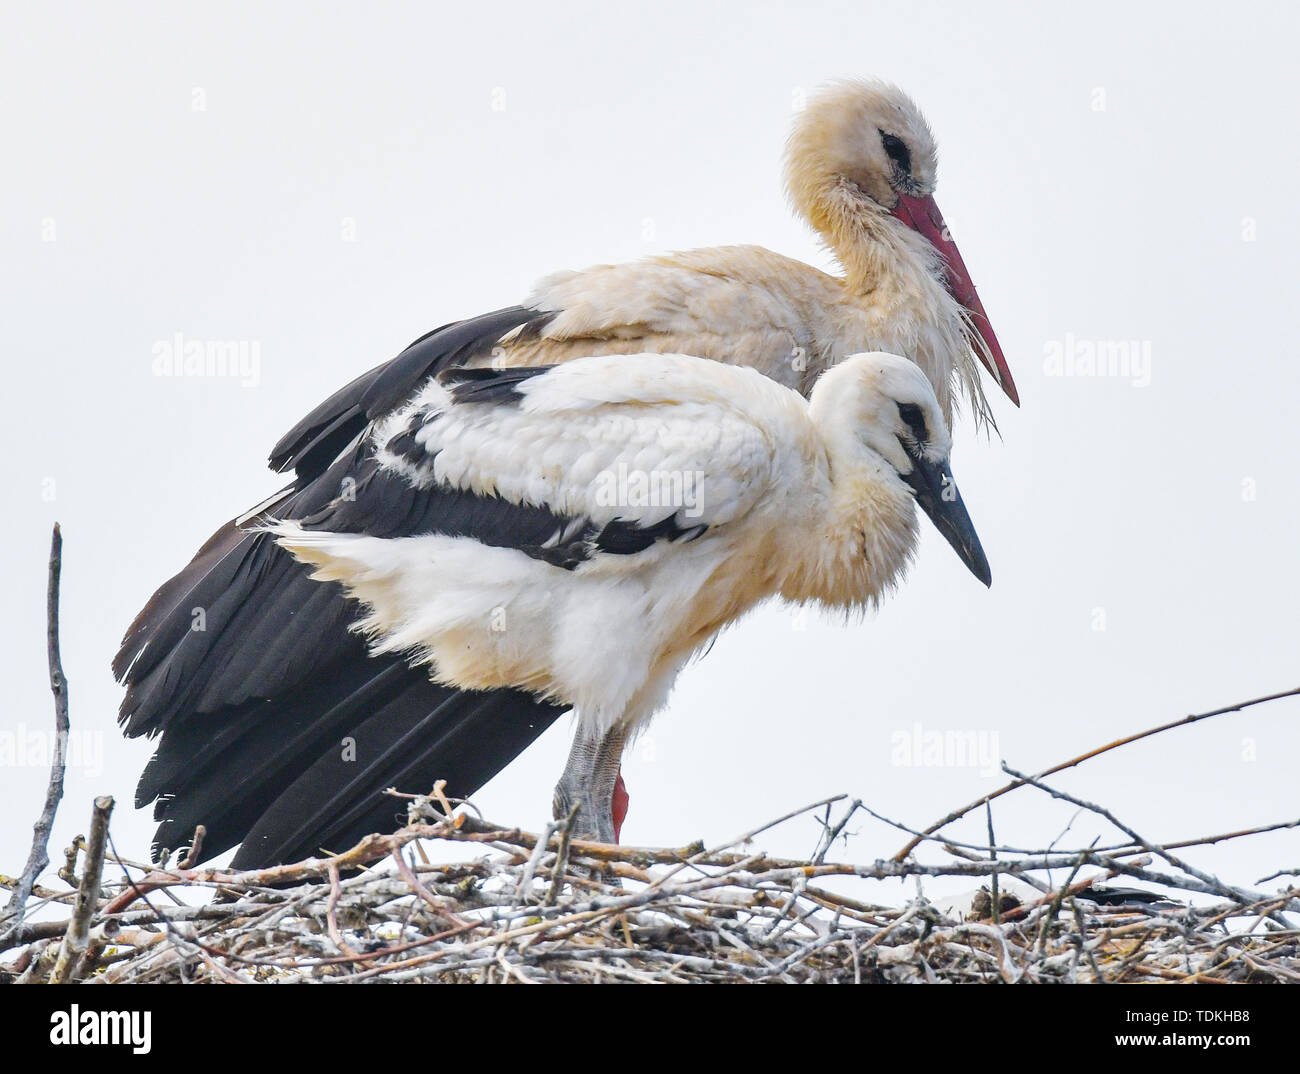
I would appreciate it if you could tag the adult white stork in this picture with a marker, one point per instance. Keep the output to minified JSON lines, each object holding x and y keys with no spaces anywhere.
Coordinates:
{"x":279,"y":731}
{"x":588,"y":527}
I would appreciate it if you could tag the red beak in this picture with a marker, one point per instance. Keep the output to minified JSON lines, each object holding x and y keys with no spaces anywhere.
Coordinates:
{"x":922,"y":215}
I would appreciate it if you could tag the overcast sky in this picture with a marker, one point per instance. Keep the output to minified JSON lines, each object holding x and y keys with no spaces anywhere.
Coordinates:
{"x":326,"y":185}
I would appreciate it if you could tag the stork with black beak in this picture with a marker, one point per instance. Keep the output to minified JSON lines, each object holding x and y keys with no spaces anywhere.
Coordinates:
{"x":532,"y":573}
{"x":251,"y":712}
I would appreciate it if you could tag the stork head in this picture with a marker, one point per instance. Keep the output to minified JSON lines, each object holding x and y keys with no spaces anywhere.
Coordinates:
{"x":881,"y":407}
{"x":864,"y":133}
{"x":861,"y":160}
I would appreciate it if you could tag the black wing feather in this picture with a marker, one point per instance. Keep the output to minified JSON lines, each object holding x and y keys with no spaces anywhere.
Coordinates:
{"x":383,"y":503}
{"x":489,"y":385}
{"x":321,"y":435}
{"x":261,"y":696}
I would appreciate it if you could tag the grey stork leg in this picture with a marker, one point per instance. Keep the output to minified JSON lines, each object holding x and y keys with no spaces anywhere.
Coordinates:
{"x":588,"y":782}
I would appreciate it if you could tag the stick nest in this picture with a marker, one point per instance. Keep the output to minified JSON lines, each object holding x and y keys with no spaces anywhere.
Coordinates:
{"x":520,"y":908}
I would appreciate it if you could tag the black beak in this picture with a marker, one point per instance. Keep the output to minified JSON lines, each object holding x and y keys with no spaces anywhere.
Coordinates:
{"x":937,"y":494}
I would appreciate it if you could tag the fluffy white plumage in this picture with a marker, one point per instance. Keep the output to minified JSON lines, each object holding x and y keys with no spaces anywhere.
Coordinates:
{"x":803,"y":498}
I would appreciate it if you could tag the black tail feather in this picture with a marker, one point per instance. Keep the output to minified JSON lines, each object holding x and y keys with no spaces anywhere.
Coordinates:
{"x":289,"y":777}
{"x":422,"y":735}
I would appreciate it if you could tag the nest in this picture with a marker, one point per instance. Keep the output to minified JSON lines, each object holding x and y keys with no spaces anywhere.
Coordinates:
{"x":518,"y":907}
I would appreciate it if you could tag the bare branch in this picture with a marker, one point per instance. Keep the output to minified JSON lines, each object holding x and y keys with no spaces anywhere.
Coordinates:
{"x":72,"y":963}
{"x":39,"y":856}
{"x":1184,"y":722}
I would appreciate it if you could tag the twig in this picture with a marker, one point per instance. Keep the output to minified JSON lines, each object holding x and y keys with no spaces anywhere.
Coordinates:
{"x":561,"y":856}
{"x":1212,"y":883}
{"x":1185,"y":721}
{"x":72,"y":962}
{"x":331,"y":921}
{"x":829,"y":834}
{"x":1052,"y":911}
{"x":39,"y":856}
{"x":993,"y":856}
{"x":196,"y":847}
{"x":535,"y":859}
{"x":404,"y":867}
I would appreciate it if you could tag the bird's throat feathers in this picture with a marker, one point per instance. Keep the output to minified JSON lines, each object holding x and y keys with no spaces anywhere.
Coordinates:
{"x":868,"y":538}
{"x":895,"y":281}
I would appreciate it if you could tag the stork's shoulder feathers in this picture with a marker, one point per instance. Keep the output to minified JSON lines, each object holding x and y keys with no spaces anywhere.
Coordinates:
{"x":579,"y":438}
{"x":732,"y":304}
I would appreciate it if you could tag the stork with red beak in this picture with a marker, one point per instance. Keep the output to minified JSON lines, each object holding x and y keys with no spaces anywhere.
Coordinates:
{"x":251,"y":711}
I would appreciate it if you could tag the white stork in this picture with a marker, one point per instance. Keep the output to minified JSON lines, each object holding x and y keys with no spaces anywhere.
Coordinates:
{"x":278,"y":730}
{"x":591,"y":526}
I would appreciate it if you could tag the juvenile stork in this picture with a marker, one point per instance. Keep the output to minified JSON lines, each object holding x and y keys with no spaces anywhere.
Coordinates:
{"x":278,"y":730}
{"x":583,"y":529}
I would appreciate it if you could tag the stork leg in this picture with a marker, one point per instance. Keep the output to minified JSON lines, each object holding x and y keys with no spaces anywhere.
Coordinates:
{"x":593,"y":783}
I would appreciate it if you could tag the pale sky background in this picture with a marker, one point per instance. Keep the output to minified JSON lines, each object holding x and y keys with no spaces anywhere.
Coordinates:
{"x":332,"y":182}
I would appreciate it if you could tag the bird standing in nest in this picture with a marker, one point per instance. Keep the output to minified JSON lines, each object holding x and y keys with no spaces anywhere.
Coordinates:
{"x":588,"y":527}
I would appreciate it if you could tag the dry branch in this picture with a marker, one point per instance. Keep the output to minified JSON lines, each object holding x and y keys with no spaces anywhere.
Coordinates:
{"x":39,"y":856}
{"x":1073,"y":761}
{"x":69,"y":965}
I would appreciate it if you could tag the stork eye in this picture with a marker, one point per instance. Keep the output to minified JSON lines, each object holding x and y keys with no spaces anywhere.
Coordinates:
{"x":898,"y":152}
{"x":914,"y":420}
